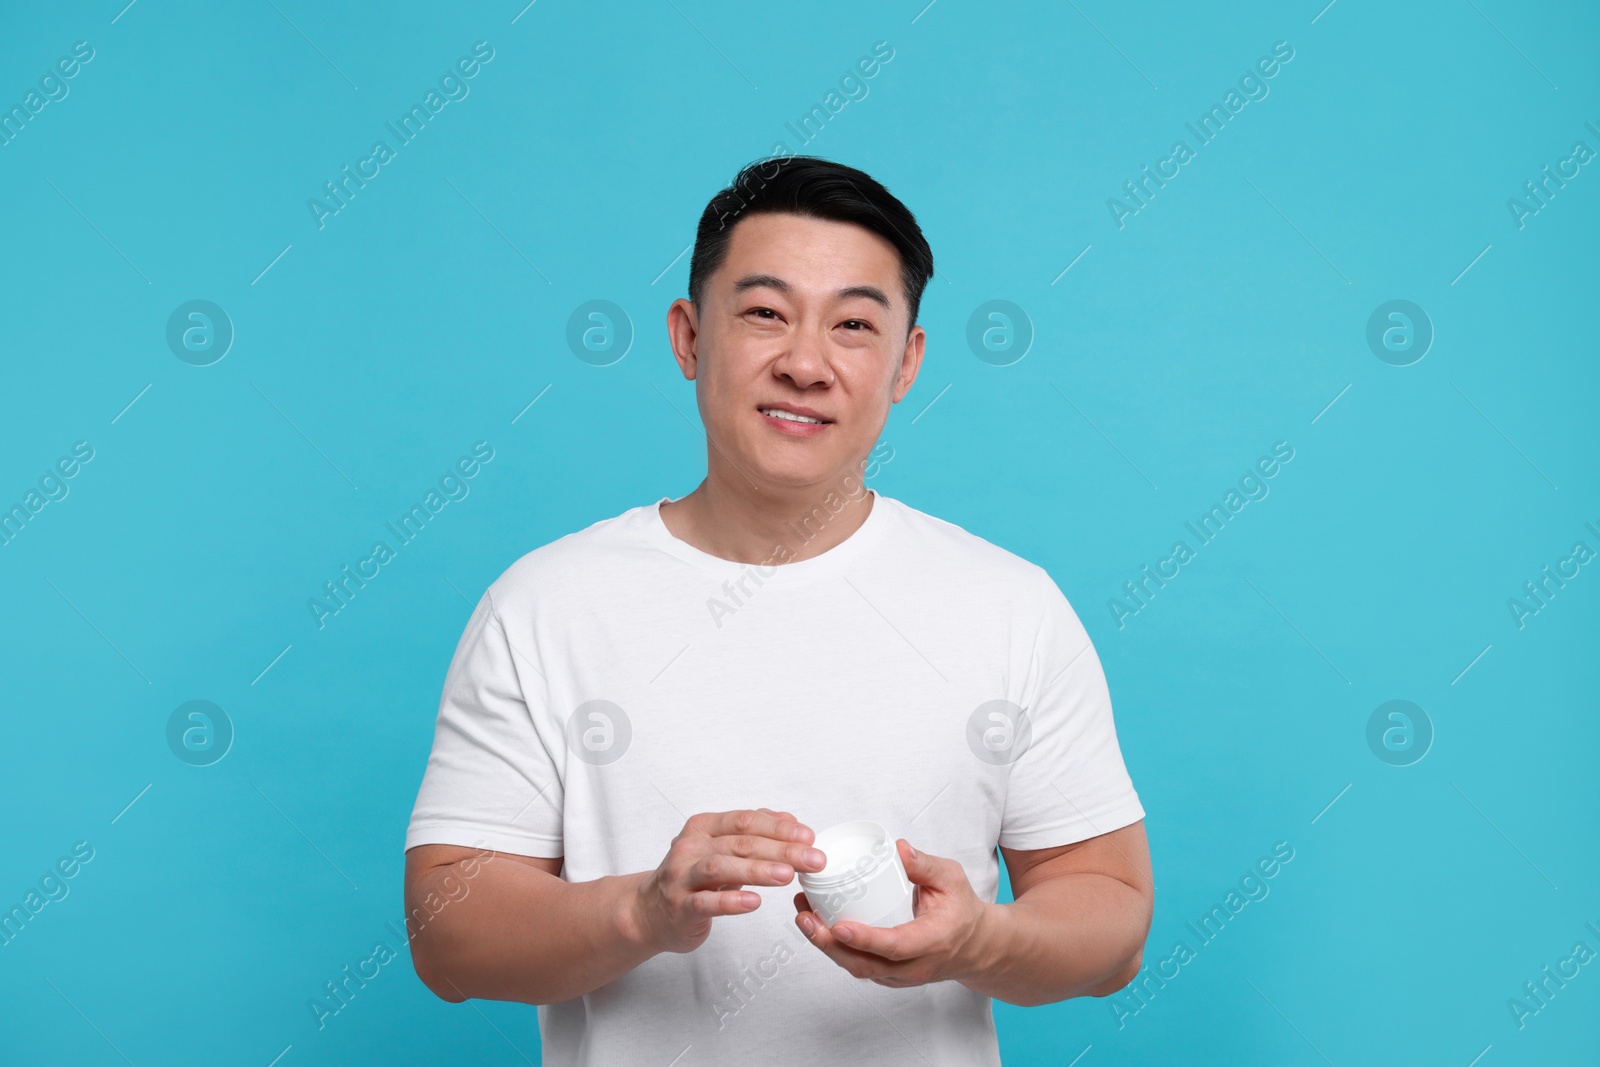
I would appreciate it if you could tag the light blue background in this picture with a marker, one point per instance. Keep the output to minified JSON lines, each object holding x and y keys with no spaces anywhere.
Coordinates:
{"x":1223,"y":317}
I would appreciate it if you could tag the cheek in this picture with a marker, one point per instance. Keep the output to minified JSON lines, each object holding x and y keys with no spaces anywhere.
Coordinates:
{"x":726,"y":389}
{"x":862,"y":396}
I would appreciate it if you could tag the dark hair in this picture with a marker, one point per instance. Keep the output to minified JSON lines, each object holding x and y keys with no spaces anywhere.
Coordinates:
{"x":814,"y":188}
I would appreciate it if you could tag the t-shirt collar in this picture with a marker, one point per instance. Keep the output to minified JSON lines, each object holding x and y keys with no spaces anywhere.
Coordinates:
{"x":828,"y":562}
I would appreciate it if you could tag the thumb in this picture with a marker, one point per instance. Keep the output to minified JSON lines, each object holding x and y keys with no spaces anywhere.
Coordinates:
{"x":921,"y":868}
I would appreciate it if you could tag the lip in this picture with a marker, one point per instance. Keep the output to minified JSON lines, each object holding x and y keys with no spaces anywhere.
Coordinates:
{"x":796,"y":409}
{"x":794,"y":429}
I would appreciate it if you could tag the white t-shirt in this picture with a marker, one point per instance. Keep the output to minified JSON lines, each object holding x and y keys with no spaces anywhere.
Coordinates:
{"x":617,"y":681}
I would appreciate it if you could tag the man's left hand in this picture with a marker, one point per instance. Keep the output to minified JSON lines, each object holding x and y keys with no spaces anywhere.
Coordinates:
{"x":946,"y":940}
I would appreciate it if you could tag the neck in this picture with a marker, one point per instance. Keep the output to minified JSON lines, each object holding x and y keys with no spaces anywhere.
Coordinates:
{"x":739,"y":520}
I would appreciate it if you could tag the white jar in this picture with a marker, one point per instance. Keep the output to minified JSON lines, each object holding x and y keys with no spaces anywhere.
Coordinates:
{"x":863,"y":881}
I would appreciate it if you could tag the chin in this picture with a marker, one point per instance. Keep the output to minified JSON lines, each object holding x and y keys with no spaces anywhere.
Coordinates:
{"x":791,"y":471}
{"x":791,"y":478}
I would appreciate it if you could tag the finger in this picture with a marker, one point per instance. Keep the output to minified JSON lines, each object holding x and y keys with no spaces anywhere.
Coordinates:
{"x":903,"y":942}
{"x":801,"y":904}
{"x":858,"y":964}
{"x":717,"y":870}
{"x":922,"y":868}
{"x":723,"y":836}
{"x":791,"y":858}
{"x":711,"y":903}
{"x":780,"y":826}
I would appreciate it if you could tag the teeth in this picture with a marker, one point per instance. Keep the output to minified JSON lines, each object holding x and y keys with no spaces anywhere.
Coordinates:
{"x":788,"y":416}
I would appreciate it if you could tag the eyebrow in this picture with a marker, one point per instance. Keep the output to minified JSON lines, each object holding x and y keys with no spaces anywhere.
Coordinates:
{"x":770,"y":281}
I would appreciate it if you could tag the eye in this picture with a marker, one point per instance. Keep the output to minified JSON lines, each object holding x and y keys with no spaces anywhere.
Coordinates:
{"x":764,"y":313}
{"x":858,"y":324}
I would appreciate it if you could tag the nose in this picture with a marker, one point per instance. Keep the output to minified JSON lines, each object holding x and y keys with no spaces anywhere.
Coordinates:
{"x":805,"y":361}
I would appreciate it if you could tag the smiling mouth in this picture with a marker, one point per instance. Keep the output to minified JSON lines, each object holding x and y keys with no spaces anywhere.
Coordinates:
{"x":789,"y":416}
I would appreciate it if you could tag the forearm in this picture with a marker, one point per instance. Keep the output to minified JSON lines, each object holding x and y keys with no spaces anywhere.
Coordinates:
{"x":523,"y":935}
{"x":1072,"y":936}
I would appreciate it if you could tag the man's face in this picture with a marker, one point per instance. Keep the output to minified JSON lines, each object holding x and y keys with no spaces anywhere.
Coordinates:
{"x":804,"y":317}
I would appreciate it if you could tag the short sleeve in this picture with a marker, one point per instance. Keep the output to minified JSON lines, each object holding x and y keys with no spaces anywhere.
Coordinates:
{"x":1070,"y":783}
{"x":491,"y":780}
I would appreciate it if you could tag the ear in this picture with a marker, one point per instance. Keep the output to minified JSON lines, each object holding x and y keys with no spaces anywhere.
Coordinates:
{"x":910,"y":363}
{"x":683,"y":331}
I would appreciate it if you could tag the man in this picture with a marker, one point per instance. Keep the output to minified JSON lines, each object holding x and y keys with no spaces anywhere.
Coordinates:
{"x":647,"y":721}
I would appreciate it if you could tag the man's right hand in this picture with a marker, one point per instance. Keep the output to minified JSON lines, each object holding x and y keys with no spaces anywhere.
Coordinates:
{"x":711,"y":859}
